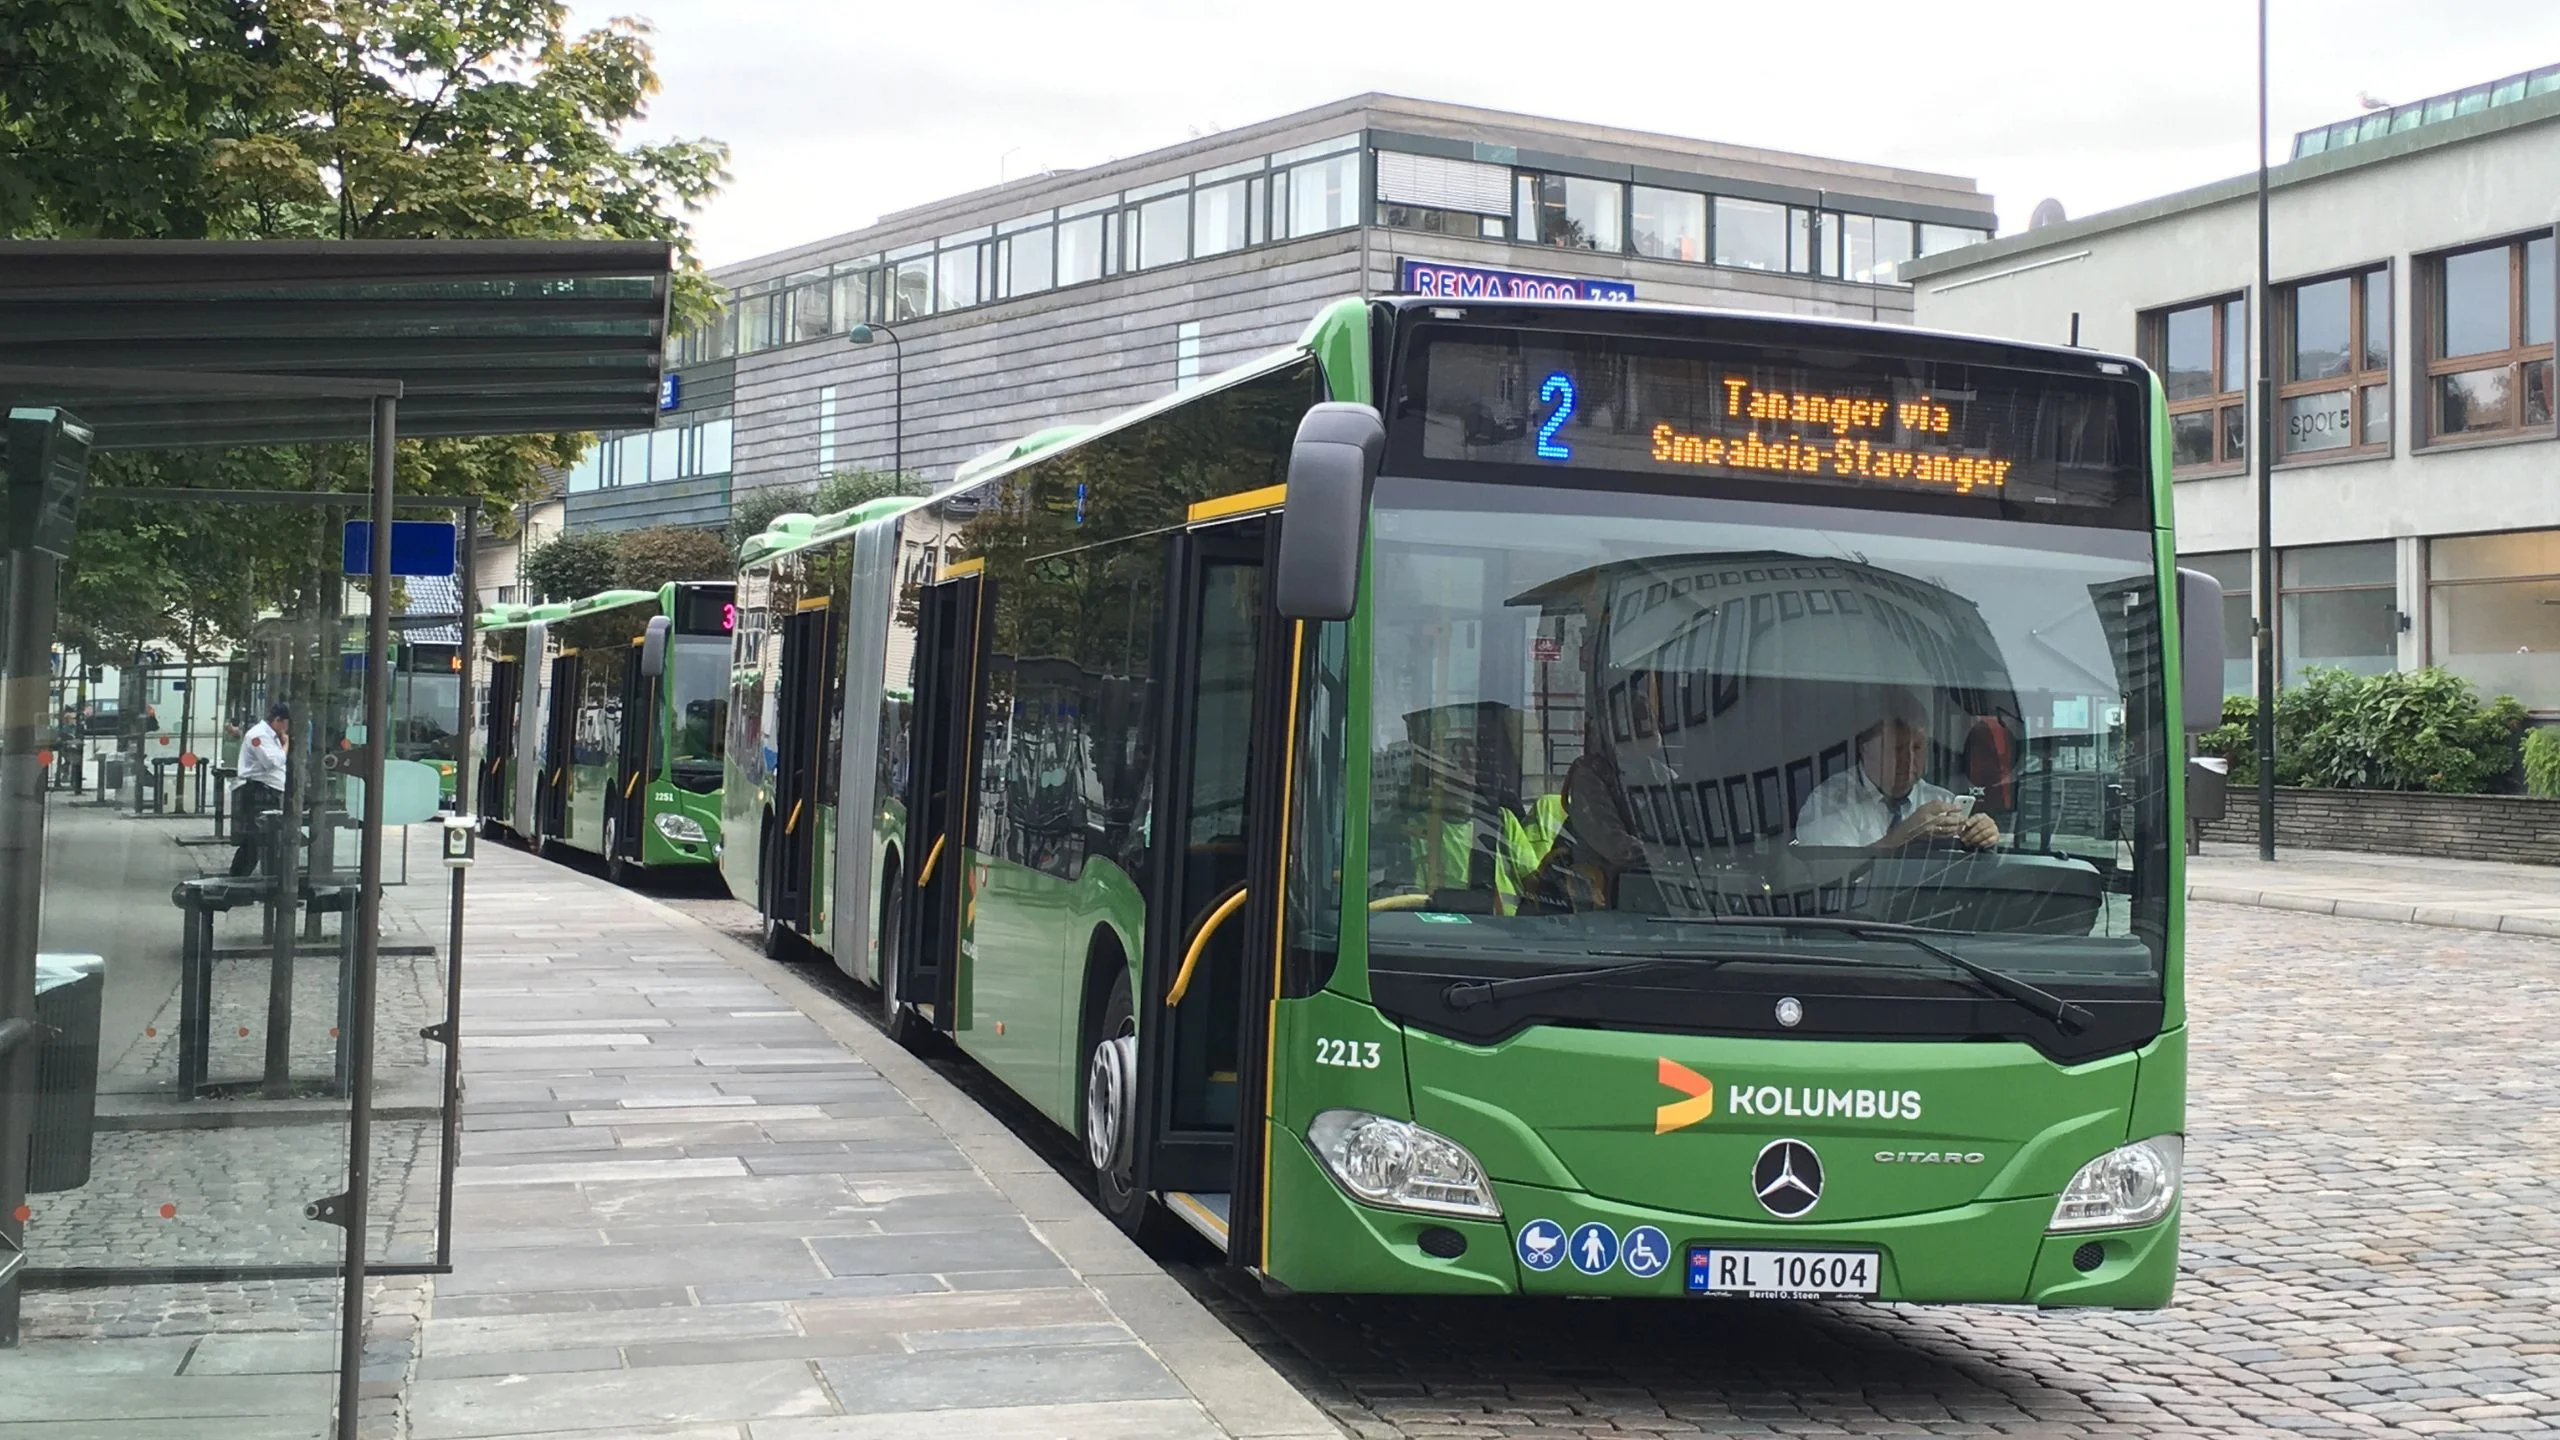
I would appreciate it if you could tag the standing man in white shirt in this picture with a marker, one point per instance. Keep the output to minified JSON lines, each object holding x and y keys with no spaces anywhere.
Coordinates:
{"x":1881,"y":803}
{"x":263,"y":753}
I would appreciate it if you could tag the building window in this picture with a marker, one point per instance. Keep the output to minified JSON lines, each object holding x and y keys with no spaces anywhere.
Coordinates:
{"x":1186,"y":354}
{"x":2490,"y":321}
{"x":1218,"y":215}
{"x":2493,"y":613}
{"x":826,"y":429}
{"x":1441,"y":222}
{"x":2340,"y":608}
{"x":1570,"y":212}
{"x":1028,"y":261}
{"x":911,"y":293}
{"x":2336,"y":395}
{"x":1080,"y":250}
{"x":855,"y":288}
{"x":1670,"y":224}
{"x":1871,"y":250}
{"x":1935,"y":238}
{"x":757,"y":329}
{"x":2202,"y":354}
{"x":2237,"y":570}
{"x":1321,"y":195}
{"x":956,"y":278}
{"x":1164,"y":231}
{"x":810,"y":307}
{"x":1751,"y":234}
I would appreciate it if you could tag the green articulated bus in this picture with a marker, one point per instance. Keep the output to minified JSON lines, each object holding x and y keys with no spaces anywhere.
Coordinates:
{"x":1508,"y":797}
{"x":516,"y":641}
{"x":644,"y":797}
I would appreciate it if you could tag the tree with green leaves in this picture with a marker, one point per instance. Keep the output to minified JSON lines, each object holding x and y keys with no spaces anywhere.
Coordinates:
{"x":329,"y":119}
{"x":663,"y":554}
{"x":572,"y":565}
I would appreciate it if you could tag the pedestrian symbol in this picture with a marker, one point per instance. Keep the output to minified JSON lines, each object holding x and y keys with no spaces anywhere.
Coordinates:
{"x":1542,"y":1245}
{"x":1648,"y":1251}
{"x":1594,"y":1248}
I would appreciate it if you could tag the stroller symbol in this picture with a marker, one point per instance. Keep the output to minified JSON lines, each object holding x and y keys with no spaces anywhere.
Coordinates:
{"x":1541,"y":1244}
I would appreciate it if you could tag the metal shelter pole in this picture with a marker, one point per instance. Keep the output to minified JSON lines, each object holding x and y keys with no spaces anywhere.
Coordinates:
{"x":367,"y":919}
{"x":465,"y":800}
{"x":2264,"y":447}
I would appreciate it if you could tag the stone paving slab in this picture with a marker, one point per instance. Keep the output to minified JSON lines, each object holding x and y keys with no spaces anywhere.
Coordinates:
{"x":696,"y":1195}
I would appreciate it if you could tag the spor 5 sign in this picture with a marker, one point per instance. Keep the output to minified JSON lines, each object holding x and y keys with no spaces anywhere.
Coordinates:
{"x":1468,"y":282}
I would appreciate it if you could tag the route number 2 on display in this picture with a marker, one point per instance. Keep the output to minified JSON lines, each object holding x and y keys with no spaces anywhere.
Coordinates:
{"x":1349,"y":1054}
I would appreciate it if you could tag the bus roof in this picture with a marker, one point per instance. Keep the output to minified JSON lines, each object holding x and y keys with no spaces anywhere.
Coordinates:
{"x":604,"y":600}
{"x":1031,"y":444}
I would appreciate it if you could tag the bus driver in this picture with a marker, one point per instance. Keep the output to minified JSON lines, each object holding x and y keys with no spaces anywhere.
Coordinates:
{"x":1881,"y":803}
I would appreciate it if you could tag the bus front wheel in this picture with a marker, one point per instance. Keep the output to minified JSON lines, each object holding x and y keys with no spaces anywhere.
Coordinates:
{"x":779,"y":942}
{"x":616,"y":869}
{"x":901,"y":1021}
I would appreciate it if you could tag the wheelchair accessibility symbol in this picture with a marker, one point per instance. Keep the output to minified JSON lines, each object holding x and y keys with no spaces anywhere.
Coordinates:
{"x":1647,"y":1251}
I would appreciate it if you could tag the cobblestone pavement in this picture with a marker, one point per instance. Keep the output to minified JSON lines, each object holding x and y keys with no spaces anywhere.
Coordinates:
{"x":2372,"y":1247}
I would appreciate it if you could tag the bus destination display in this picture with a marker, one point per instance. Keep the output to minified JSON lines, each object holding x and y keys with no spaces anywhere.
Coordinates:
{"x":705,"y":610}
{"x":1588,"y":403}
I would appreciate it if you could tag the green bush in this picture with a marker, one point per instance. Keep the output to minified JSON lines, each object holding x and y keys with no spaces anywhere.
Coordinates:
{"x":2542,"y":763}
{"x":2405,"y":730}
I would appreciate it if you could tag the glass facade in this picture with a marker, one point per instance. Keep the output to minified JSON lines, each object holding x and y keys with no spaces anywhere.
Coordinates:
{"x":2493,"y":612}
{"x":1313,"y":190}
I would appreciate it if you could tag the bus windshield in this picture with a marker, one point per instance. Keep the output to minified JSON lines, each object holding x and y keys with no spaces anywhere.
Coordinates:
{"x":1598,"y":714}
{"x":698,"y":696}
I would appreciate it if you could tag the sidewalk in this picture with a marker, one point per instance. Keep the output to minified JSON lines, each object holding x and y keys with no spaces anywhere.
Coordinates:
{"x":2418,"y":889}
{"x":698,"y":1198}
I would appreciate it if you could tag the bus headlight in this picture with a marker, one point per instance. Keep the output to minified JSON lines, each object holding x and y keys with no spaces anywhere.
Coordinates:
{"x":680,"y":828}
{"x":1401,"y":1166}
{"x":2130,"y":1185}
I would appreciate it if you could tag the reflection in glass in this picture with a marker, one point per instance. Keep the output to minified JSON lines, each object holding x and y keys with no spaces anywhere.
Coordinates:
{"x":1751,"y":234}
{"x":1218,"y":219}
{"x":2471,"y":303}
{"x":2537,"y":291}
{"x":2187,"y":348}
{"x":2235,"y":433}
{"x":2377,"y":319}
{"x":1029,"y":258}
{"x":2351,"y":629}
{"x":912,"y":297}
{"x":2235,"y":343}
{"x":956,"y":277}
{"x":1588,"y":712}
{"x":1670,"y":224}
{"x":2320,"y":329}
{"x":2537,"y":392}
{"x":1164,"y":231}
{"x":2191,"y":439}
{"x":2473,"y":400}
{"x":2377,"y":414}
{"x":1324,"y":195}
{"x":1570,"y":212}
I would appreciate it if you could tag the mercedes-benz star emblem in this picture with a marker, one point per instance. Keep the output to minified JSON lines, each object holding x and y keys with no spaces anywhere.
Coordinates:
{"x":1791,"y":1012}
{"x":1787,"y":1178}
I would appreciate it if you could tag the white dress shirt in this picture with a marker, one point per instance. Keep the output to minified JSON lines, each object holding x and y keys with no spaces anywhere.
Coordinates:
{"x":1847,"y":811}
{"x":262,"y":753}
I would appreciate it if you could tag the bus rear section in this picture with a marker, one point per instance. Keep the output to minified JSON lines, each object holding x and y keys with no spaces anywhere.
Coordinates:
{"x":1668,"y":803}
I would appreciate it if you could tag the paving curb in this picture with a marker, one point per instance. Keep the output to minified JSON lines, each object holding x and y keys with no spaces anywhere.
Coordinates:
{"x":2447,"y":917}
{"x":1242,"y":1393}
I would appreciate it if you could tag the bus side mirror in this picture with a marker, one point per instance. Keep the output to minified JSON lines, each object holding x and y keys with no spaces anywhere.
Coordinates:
{"x":653,"y":648}
{"x":1324,"y":521}
{"x":2200,"y":649}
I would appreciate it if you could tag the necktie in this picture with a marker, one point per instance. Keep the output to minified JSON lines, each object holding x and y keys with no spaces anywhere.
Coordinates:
{"x":1894,"y":811}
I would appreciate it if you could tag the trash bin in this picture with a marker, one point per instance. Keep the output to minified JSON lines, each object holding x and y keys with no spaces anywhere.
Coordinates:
{"x":2208,"y":788}
{"x":111,"y":773}
{"x":69,"y":989}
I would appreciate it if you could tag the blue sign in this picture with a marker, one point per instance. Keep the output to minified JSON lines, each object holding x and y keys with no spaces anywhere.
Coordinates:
{"x":1469,"y":282}
{"x":1648,"y":1251}
{"x":418,"y":547}
{"x":670,"y":391}
{"x":1542,"y":1245}
{"x":1594,"y":1248}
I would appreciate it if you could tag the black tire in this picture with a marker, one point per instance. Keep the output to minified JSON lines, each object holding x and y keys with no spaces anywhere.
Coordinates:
{"x":779,"y":941}
{"x":903,"y":1024}
{"x":1114,"y":1188}
{"x":616,"y":869}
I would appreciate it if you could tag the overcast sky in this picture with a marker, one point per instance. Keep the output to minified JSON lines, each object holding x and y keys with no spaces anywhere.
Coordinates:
{"x":837,"y":112}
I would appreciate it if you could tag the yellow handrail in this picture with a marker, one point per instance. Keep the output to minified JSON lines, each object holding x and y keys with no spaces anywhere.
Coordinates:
{"x":932,"y":858}
{"x":793,"y":824}
{"x":1200,"y":942}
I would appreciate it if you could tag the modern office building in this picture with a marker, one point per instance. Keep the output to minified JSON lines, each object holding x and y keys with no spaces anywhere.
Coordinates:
{"x":1070,"y":295}
{"x":2416,"y":486}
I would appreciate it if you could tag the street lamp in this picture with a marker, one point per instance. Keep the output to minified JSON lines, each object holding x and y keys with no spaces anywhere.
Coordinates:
{"x":863,"y":335}
{"x":2262,"y":454}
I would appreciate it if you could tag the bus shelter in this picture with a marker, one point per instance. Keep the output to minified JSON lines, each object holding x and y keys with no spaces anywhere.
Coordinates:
{"x":228,"y":1008}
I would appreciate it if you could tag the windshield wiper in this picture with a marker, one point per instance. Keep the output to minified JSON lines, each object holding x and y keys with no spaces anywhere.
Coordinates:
{"x":1468,"y":994}
{"x":2071,"y":1018}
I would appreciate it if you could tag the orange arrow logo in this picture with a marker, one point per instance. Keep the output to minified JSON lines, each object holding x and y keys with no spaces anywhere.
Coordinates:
{"x":1681,"y":1114}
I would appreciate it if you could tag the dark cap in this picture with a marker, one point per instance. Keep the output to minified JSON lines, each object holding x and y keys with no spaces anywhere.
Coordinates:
{"x":279,"y":711}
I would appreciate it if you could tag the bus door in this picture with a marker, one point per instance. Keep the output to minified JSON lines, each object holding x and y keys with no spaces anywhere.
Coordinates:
{"x":949,"y":652}
{"x":559,"y":751}
{"x":626,"y":798}
{"x":506,"y":690}
{"x":1207,"y":974}
{"x":791,"y":851}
